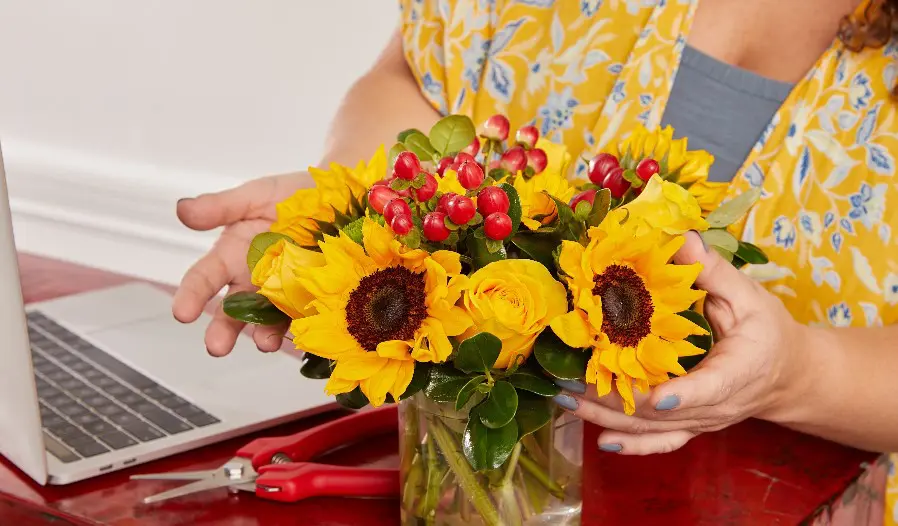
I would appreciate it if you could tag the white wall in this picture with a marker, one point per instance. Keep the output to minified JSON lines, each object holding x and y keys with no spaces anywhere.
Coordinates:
{"x":110,"y":110}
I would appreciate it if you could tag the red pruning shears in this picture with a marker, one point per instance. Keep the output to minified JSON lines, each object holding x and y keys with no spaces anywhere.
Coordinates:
{"x":280,"y":468}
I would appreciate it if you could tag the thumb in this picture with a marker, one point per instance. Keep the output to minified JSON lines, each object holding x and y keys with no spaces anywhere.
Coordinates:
{"x":718,"y":276}
{"x":712,"y":383}
{"x":208,"y":211}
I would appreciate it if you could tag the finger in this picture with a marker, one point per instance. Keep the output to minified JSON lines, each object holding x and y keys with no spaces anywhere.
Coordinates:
{"x":247,"y":201}
{"x":612,"y":400}
{"x":647,"y":444}
{"x":204,"y":280}
{"x":712,"y":383}
{"x":222,"y":332}
{"x":269,"y":338}
{"x":611,"y":419}
{"x":718,"y":276}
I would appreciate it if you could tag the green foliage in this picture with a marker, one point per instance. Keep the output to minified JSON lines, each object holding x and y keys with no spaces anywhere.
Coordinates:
{"x":253,"y":308}
{"x":534,"y":382}
{"x":559,"y":360}
{"x":444,"y":383}
{"x":733,"y":210}
{"x":702,"y":342}
{"x":500,"y":406}
{"x":354,"y":230}
{"x":466,"y":392}
{"x":480,"y":254}
{"x":315,"y":367}
{"x":514,"y":206}
{"x":533,"y":413}
{"x":451,"y":134}
{"x":538,"y":247}
{"x":478,"y":353}
{"x":354,"y":399}
{"x":487,"y":448}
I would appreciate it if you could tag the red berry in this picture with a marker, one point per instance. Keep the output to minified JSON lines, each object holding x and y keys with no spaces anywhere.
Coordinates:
{"x":407,"y":166}
{"x":537,"y":160}
{"x":470,"y":175}
{"x":435,"y":226}
{"x":492,"y":199}
{"x":443,"y":203}
{"x":472,"y":149}
{"x":461,"y":209}
{"x":600,"y":166}
{"x":513,"y":160}
{"x":405,"y":192}
{"x":616,"y":183}
{"x":527,"y":136}
{"x":402,"y":225}
{"x":647,"y":168}
{"x":463,"y":157}
{"x":495,"y":128}
{"x":445,"y":163}
{"x":497,"y":226}
{"x":587,"y":195}
{"x":428,"y":190}
{"x":396,"y":207}
{"x":379,"y":196}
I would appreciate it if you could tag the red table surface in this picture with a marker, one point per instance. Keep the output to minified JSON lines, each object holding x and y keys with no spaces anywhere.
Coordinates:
{"x":752,"y":473}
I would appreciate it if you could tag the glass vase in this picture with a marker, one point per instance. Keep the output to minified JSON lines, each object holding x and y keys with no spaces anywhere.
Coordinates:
{"x":539,"y":483}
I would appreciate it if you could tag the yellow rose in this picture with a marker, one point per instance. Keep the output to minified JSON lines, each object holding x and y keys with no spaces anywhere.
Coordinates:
{"x":537,"y":208}
{"x":513,"y":299}
{"x":663,"y":206}
{"x":275,"y":275}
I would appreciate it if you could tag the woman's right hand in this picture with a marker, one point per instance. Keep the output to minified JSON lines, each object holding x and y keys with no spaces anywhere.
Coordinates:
{"x":243,"y":211}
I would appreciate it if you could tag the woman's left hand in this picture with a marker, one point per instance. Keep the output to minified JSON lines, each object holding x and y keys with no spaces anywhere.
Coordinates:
{"x":754,"y":368}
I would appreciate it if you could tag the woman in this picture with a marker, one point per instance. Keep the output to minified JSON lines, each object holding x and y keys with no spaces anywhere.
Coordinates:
{"x":793,"y":97}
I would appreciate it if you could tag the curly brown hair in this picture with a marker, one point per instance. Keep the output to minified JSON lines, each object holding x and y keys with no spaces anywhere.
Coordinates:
{"x":871,"y":27}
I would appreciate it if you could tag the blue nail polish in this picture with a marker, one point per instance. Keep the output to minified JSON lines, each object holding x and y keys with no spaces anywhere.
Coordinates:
{"x":611,"y":448}
{"x":668,"y":402}
{"x":566,"y":401}
{"x":573,"y":386}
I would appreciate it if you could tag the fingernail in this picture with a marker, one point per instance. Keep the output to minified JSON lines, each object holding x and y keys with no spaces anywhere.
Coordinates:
{"x":573,"y":386}
{"x":702,"y":238}
{"x":611,"y":448}
{"x":566,"y":401}
{"x":668,"y":402}
{"x":181,"y":200}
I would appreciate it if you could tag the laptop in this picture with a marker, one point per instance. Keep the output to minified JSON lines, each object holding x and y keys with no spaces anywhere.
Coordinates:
{"x":96,"y":382}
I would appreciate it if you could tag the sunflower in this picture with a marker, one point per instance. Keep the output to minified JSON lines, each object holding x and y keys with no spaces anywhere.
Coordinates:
{"x":687,"y":168}
{"x":380,"y":308}
{"x":338,"y":190}
{"x":625,"y":298}
{"x":537,"y":206}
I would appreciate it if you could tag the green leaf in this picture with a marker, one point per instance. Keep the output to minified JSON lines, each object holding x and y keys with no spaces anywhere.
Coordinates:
{"x":487,"y":448}
{"x":631,"y":177}
{"x":419,"y":144}
{"x":419,"y":380}
{"x":702,"y":342}
{"x":480,"y":255}
{"x":341,"y":219}
{"x":419,"y":180}
{"x":724,"y":253}
{"x":399,"y":184}
{"x":717,"y":237}
{"x":452,"y":134}
{"x":260,"y":244}
{"x":533,"y":413}
{"x":354,"y":399}
{"x":404,"y":134}
{"x":600,"y":207}
{"x":464,"y":395}
{"x":354,"y":230}
{"x":444,"y":384}
{"x":733,"y":210}
{"x":514,"y":206}
{"x":493,"y":246}
{"x":534,"y":383}
{"x":752,"y":254}
{"x":253,"y":308}
{"x":412,"y":240}
{"x":538,"y":247}
{"x":452,"y":239}
{"x":582,"y":210}
{"x":565,"y":218}
{"x":499,"y":408}
{"x":394,"y":153}
{"x":478,"y":353}
{"x":558,"y":359}
{"x":315,"y":367}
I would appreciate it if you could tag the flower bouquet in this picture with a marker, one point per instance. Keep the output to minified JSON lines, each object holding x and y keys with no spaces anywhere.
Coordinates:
{"x":461,"y":273}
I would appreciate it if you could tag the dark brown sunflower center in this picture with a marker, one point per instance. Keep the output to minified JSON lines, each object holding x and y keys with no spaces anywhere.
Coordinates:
{"x":386,"y":305}
{"x":626,"y":305}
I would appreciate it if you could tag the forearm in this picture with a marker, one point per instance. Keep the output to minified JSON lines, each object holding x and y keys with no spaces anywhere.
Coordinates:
{"x":383,"y":102}
{"x":849,"y":389}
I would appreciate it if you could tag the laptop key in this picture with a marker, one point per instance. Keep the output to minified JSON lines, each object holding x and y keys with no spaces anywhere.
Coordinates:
{"x":186,"y":410}
{"x":72,"y":410}
{"x":142,"y":431}
{"x":52,"y":420}
{"x":104,"y":382}
{"x":116,"y":390}
{"x":171,"y":401}
{"x":131,"y":399}
{"x":81,"y":366}
{"x":71,"y":383}
{"x":116,"y":367}
{"x":87,"y":446}
{"x":66,"y":432}
{"x":109,"y":410}
{"x":58,"y":376}
{"x":48,"y":391}
{"x":98,"y":427}
{"x":85,"y":419}
{"x":117,"y":440}
{"x":169,"y":423}
{"x":157,"y":392}
{"x":83,"y":392}
{"x":58,"y":450}
{"x":202,"y":419}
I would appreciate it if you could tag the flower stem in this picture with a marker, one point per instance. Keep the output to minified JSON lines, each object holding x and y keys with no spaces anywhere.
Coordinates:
{"x":540,"y":474}
{"x":427,"y":506}
{"x":412,"y":485}
{"x":410,"y":439}
{"x":466,"y":477}
{"x":512,"y":464}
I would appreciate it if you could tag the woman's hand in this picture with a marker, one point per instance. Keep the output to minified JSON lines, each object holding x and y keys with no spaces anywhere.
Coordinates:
{"x":243,"y":211}
{"x":753,"y":369}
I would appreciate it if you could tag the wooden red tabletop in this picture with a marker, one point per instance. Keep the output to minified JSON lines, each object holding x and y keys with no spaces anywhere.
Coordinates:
{"x":751,"y":474}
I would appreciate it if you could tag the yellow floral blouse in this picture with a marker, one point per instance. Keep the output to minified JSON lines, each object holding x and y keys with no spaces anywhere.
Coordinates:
{"x":586,"y":71}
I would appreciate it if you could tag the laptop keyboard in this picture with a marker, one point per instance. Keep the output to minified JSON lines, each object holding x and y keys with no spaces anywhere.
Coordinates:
{"x":92,"y":403}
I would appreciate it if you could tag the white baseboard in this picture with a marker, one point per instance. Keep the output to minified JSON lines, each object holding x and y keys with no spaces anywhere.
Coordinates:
{"x":103,"y":213}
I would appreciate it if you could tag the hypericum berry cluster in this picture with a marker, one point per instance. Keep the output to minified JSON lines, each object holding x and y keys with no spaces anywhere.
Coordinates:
{"x":523,"y":156}
{"x":621,"y":175}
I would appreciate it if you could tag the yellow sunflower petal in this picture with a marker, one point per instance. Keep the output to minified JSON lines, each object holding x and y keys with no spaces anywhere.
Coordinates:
{"x":674,"y":327}
{"x":659,"y":356}
{"x":571,"y":261}
{"x":378,"y":242}
{"x":573,"y":329}
{"x":359,"y":366}
{"x":685,"y":348}
{"x":324,"y":335}
{"x":451,"y":261}
{"x":394,"y":349}
{"x":629,"y":365}
{"x":337,"y":385}
{"x":403,"y":378}
{"x":454,"y":319}
{"x":435,"y":280}
{"x":624,"y":386}
{"x":376,"y":387}
{"x":532,"y":224}
{"x":437,"y":348}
